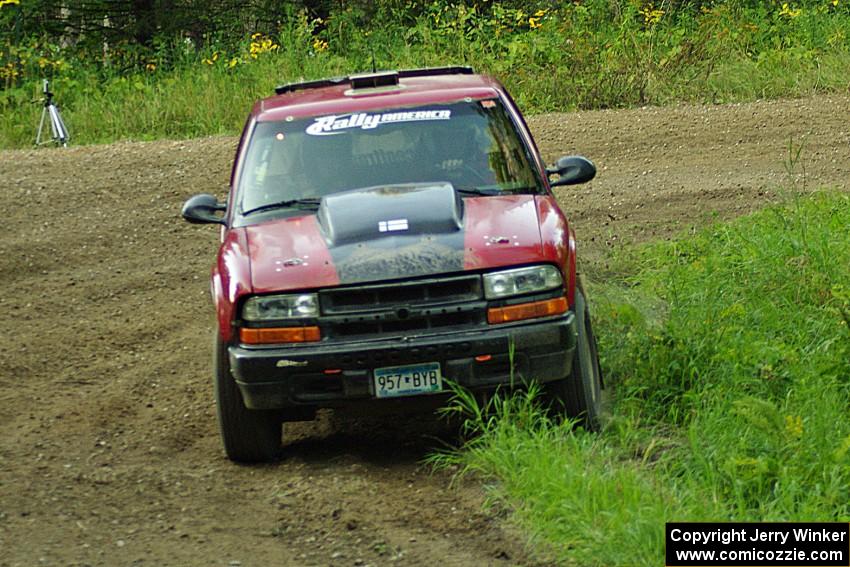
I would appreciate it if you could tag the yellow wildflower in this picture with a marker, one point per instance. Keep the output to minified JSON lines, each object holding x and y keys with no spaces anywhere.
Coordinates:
{"x":9,"y":71}
{"x":319,"y":44}
{"x":788,"y":12}
{"x":651,"y":16}
{"x":4,"y":2}
{"x":534,"y":23}
{"x":261,"y":44}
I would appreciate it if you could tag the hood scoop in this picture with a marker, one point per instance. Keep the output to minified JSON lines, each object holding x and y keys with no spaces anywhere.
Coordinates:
{"x":394,"y":231}
{"x":372,"y":213}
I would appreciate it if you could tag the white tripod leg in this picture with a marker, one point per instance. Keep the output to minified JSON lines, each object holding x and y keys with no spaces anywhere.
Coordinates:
{"x":60,"y":132}
{"x":40,"y":126}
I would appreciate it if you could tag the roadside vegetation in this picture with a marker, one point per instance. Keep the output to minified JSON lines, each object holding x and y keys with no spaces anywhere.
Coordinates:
{"x":727,"y":354}
{"x":198,"y":75}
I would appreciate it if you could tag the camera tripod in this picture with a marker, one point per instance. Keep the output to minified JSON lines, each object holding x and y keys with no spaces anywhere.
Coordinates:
{"x":59,"y":132}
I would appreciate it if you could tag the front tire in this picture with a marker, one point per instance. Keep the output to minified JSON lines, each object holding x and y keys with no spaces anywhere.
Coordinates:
{"x":579,"y":395}
{"x":248,"y":435}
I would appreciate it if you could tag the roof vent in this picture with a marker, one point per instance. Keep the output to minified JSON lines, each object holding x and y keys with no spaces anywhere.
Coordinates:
{"x":292,"y":87}
{"x":374,"y":80}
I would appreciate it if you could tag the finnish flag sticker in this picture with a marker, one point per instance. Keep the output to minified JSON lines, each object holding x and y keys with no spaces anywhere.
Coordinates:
{"x":392,"y":225}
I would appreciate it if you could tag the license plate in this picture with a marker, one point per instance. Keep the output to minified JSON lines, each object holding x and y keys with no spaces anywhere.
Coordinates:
{"x":409,"y":380}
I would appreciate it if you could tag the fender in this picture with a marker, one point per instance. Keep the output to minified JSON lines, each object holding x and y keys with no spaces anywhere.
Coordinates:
{"x":558,"y":241}
{"x":230,"y":279}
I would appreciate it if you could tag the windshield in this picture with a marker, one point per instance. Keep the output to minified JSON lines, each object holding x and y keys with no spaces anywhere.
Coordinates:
{"x":472,"y":145}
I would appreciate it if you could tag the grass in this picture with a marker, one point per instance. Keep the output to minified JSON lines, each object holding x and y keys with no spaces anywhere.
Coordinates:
{"x":728,"y":355}
{"x":590,"y":54}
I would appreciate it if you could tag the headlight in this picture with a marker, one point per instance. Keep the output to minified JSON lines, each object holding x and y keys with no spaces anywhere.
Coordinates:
{"x":521,"y":281}
{"x":272,"y":307}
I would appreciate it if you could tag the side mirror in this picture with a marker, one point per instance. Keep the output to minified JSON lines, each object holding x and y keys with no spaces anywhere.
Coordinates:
{"x":202,"y":209}
{"x":572,"y":170}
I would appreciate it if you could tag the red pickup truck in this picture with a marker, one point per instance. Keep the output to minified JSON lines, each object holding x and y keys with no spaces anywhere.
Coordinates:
{"x":385,"y":233}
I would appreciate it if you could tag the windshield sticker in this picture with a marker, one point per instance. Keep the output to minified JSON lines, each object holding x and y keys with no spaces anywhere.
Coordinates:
{"x":329,"y":125}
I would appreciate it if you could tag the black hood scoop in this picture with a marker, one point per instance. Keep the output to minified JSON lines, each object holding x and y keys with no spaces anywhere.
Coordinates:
{"x":393,"y":210}
{"x":393,"y":231}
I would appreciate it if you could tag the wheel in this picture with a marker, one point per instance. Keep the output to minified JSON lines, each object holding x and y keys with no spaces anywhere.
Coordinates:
{"x":248,"y":435}
{"x":579,"y":395}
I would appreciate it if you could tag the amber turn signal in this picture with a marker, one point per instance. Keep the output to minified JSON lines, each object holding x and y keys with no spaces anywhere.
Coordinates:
{"x":276,"y":335}
{"x":531,"y":310}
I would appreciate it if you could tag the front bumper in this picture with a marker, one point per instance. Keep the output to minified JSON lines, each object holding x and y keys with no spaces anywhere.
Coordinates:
{"x":293,"y":376}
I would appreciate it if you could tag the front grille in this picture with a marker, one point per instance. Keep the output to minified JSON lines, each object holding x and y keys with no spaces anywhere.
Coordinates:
{"x":405,"y":307}
{"x":432,"y":291}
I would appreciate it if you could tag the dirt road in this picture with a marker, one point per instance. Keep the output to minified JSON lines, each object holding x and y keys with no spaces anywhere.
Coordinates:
{"x":109,"y":452}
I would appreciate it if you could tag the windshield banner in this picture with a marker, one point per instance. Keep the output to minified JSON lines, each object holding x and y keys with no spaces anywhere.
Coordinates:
{"x":329,"y":125}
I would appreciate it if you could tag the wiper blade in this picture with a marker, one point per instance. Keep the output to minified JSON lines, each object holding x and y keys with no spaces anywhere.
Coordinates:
{"x":308,"y":203}
{"x":477,"y":191}
{"x":493,"y":190}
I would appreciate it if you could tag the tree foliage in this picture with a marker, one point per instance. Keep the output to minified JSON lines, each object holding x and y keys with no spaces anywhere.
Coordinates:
{"x":146,"y":22}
